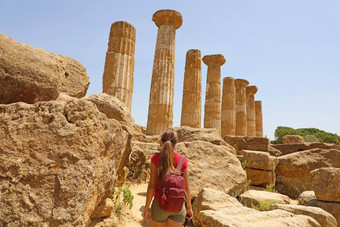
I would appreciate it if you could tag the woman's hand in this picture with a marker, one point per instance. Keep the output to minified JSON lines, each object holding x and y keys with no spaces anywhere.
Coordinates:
{"x":147,"y":215}
{"x":189,"y":213}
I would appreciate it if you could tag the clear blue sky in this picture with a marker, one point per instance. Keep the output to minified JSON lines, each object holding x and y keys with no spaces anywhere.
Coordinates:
{"x":289,"y":49}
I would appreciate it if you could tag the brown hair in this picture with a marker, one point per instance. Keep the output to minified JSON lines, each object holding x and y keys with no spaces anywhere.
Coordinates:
{"x":166,"y":157}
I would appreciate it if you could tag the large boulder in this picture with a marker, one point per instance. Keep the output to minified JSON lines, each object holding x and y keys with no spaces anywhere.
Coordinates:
{"x":324,"y":218}
{"x":305,"y":197}
{"x":331,"y":207}
{"x":292,"y":148}
{"x":59,"y":162}
{"x":293,"y":170}
{"x":31,"y":74}
{"x":292,"y":139}
{"x":241,"y":143}
{"x":254,"y":198}
{"x":260,"y":160}
{"x":212,"y":166}
{"x":326,"y":184}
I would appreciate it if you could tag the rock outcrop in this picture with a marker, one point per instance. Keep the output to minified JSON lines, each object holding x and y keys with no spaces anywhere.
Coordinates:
{"x":241,"y":143}
{"x":305,"y":197}
{"x":326,"y":184}
{"x":292,"y":139}
{"x":331,"y":207}
{"x":254,"y":197}
{"x":31,"y":74}
{"x":292,"y":148}
{"x":59,"y":161}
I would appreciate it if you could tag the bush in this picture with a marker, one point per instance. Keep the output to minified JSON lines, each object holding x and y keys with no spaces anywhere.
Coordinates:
{"x":263,"y":205}
{"x":270,"y":188}
{"x":122,"y":197}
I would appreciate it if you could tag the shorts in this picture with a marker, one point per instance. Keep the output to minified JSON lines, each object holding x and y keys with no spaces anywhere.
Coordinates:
{"x":160,"y":215}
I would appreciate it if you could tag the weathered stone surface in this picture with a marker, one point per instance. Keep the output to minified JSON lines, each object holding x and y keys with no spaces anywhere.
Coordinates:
{"x":104,"y":209}
{"x":212,"y":166}
{"x":254,"y":197}
{"x":326,"y":184}
{"x":324,"y":218}
{"x":241,"y":107}
{"x":212,"y":106}
{"x":138,"y":166}
{"x":228,"y":115}
{"x":291,"y":148}
{"x":260,"y":160}
{"x":241,"y":143}
{"x":273,"y":151}
{"x":59,"y":160}
{"x":245,"y":217}
{"x":139,"y":129}
{"x":331,"y":207}
{"x":305,"y":197}
{"x":31,"y":74}
{"x":251,"y":117}
{"x":192,"y":91}
{"x":261,"y":177}
{"x":292,"y":139}
{"x":293,"y":170}
{"x":120,"y":62}
{"x":259,"y":118}
{"x":160,"y":116}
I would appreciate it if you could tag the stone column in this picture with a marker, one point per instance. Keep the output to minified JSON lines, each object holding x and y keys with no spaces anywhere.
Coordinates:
{"x":241,"y":107}
{"x":192,"y":91}
{"x":212,"y":107}
{"x":251,"y":91}
{"x":160,"y":114}
{"x":259,"y":119}
{"x":120,"y":62}
{"x":228,"y":116}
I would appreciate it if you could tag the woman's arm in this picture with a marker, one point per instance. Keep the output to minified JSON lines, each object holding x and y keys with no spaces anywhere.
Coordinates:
{"x":150,"y":192}
{"x":187,"y":190}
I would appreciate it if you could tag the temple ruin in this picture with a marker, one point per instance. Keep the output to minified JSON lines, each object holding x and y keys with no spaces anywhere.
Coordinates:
{"x":228,"y":116}
{"x":251,"y":91}
{"x":259,"y":120}
{"x":241,"y":107}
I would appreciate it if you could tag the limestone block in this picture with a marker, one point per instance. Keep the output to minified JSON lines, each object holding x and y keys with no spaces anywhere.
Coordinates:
{"x":273,"y":151}
{"x":305,"y":197}
{"x":241,"y":143}
{"x":331,"y":207}
{"x":261,"y":177}
{"x":260,"y":160}
{"x":292,"y":139}
{"x":59,"y":160}
{"x":291,"y":148}
{"x":255,"y":197}
{"x":212,"y":166}
{"x":29,"y":74}
{"x":326,"y":183}
{"x":324,"y":218}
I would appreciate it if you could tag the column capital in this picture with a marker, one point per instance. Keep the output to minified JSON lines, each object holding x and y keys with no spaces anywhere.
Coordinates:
{"x":216,"y":59}
{"x":227,"y":79}
{"x":167,"y":17}
{"x":241,"y":83}
{"x":251,"y":90}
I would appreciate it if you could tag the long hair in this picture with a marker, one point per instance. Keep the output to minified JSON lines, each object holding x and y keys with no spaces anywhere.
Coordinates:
{"x":166,"y":159}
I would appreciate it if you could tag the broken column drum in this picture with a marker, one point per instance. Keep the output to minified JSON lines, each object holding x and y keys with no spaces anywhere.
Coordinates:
{"x":241,"y":107}
{"x":119,"y":62}
{"x":160,"y":116}
{"x":192,"y":90}
{"x":228,"y":116}
{"x":212,"y":107}
{"x":259,"y":119}
{"x":251,"y":91}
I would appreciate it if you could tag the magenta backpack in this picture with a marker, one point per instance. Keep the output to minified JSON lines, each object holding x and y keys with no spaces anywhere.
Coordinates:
{"x":171,"y":193}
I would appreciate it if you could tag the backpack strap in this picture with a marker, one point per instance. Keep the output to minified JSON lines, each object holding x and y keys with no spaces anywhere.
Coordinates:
{"x":180,"y":163}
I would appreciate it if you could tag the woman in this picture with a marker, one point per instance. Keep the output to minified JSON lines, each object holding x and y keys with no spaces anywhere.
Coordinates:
{"x":161,"y":164}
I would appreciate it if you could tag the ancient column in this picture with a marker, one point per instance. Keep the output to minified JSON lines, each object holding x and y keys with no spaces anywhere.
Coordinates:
{"x":120,"y":63}
{"x":192,"y":91}
{"x":163,"y":75}
{"x":228,"y":116}
{"x":251,"y":91}
{"x":212,"y":107}
{"x":241,"y":107}
{"x":259,"y":119}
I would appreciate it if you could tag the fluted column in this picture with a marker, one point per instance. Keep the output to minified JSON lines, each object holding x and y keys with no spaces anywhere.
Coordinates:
{"x":251,"y":91}
{"x":212,"y":107}
{"x":259,"y":119}
{"x":160,"y":116}
{"x":228,"y":116}
{"x":241,"y":107}
{"x":192,"y":91}
{"x":120,"y":63}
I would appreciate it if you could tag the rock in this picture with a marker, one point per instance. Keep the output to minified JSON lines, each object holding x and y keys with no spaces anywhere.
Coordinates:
{"x":59,"y":161}
{"x":104,"y":209}
{"x":138,"y":166}
{"x":260,"y":160}
{"x":324,"y":218}
{"x":139,"y":129}
{"x":247,"y":143}
{"x":326,"y":184}
{"x":293,"y":170}
{"x":245,"y":217}
{"x":292,"y":139}
{"x":331,"y":207}
{"x":273,"y":151}
{"x":292,"y":148}
{"x":31,"y":74}
{"x":212,"y":166}
{"x":261,"y":177}
{"x":253,"y":197}
{"x":305,"y":197}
